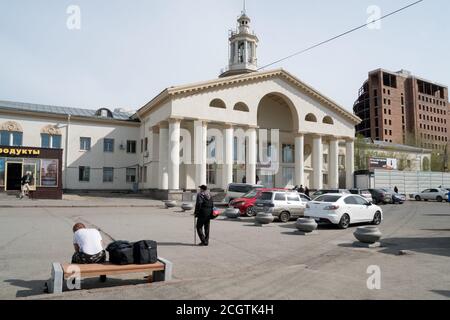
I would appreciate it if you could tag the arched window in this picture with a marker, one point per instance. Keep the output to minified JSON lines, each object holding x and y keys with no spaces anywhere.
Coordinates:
{"x":240,"y":106}
{"x":104,"y":113}
{"x":311,"y":118}
{"x":217,"y":103}
{"x":11,"y":134}
{"x":328,"y":120}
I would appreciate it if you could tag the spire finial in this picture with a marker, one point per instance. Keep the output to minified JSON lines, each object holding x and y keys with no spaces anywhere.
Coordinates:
{"x":245,"y":7}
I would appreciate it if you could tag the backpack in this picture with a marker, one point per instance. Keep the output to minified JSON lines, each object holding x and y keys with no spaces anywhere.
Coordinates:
{"x":120,"y":253}
{"x":145,"y":252}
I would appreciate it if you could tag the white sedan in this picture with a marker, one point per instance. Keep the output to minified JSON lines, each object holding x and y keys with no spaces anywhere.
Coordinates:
{"x":343,"y":210}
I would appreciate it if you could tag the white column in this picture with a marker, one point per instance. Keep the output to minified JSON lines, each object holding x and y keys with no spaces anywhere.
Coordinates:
{"x":163,"y":183}
{"x":350,"y":163}
{"x":300,"y":160}
{"x":200,"y":141}
{"x":317,"y":163}
{"x":228,"y":156}
{"x":251,"y":156}
{"x":333,"y":170}
{"x":174,"y":154}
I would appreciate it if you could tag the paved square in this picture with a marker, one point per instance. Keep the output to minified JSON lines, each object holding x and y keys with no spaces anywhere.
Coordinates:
{"x":243,"y":261}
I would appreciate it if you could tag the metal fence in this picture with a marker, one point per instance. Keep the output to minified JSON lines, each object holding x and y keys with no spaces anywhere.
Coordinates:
{"x":410,"y":182}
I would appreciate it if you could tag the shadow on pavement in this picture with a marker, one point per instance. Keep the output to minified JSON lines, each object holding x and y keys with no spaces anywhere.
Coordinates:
{"x":36,"y":287}
{"x":175,"y":244}
{"x":445,"y":293}
{"x":433,"y":245}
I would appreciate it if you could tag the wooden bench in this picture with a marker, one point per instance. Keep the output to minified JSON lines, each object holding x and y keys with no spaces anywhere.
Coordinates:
{"x":159,"y":271}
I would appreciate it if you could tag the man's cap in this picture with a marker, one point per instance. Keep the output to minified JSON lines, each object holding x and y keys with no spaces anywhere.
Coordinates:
{"x":203,"y":187}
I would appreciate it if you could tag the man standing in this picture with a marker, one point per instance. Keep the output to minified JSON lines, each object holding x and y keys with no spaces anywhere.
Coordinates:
{"x":26,"y":180}
{"x":203,"y":210}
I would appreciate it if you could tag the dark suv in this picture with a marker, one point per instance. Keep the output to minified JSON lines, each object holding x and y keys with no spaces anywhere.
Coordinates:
{"x":381,"y":196}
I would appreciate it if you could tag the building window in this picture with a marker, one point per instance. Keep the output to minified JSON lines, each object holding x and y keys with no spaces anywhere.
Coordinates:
{"x":50,"y":141}
{"x":131,"y":146}
{"x":13,"y":139}
{"x":131,"y":174}
{"x":85,"y":144}
{"x":146,"y":144}
{"x":288,"y":176}
{"x":211,"y":173}
{"x":108,"y":145}
{"x":108,"y":175}
{"x":84,"y":174}
{"x":288,"y":153}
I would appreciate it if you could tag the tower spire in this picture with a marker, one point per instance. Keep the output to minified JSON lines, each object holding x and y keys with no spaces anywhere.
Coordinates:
{"x":245,"y":8}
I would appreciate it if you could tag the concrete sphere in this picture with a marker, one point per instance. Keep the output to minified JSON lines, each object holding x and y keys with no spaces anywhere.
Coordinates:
{"x":232,"y":213}
{"x":187,"y":206}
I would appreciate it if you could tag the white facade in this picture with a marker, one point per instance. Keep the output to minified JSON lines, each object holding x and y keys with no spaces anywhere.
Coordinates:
{"x":73,"y":158}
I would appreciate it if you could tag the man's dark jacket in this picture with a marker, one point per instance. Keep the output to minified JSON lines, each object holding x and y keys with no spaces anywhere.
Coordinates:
{"x":204,"y":206}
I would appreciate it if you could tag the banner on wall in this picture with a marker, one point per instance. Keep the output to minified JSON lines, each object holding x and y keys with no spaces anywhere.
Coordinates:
{"x":383,"y":163}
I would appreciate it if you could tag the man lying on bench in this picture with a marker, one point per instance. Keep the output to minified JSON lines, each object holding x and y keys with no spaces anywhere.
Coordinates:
{"x":88,"y":245}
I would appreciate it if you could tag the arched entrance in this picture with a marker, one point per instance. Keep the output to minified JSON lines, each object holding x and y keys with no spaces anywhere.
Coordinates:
{"x":277,"y":112}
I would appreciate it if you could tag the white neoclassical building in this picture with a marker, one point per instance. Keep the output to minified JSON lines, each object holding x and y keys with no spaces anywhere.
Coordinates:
{"x":315,"y":142}
{"x":212,"y":132}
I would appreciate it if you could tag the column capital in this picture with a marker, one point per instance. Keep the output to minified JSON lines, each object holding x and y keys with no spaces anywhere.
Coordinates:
{"x":317,"y":135}
{"x":249,"y":127}
{"x":175,"y":119}
{"x":228,"y":125}
{"x":163,"y":125}
{"x":349,"y":139}
{"x":300,"y":134}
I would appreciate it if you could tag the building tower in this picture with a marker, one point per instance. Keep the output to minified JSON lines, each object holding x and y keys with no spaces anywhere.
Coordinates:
{"x":242,"y":44}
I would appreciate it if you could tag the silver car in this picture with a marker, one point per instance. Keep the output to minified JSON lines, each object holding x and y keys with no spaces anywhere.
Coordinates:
{"x":431,"y":194}
{"x":284,"y":205}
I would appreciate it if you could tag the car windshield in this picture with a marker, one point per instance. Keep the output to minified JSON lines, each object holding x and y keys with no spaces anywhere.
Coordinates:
{"x":328,"y":198}
{"x":252,"y":194}
{"x":239,"y":188}
{"x":265,"y":196}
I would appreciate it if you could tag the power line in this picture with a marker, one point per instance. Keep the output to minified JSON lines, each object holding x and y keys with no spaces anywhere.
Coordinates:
{"x":342,"y":34}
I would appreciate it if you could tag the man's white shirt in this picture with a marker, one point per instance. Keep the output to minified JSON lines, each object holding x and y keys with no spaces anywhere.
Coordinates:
{"x":89,"y":241}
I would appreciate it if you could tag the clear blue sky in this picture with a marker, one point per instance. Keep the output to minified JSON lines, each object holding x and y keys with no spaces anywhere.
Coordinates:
{"x":128,"y":51}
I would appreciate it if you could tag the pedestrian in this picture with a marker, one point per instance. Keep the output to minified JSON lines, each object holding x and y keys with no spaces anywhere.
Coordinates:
{"x":396,"y":189}
{"x":244,"y":179}
{"x":301,"y":189}
{"x":26,"y":180}
{"x":203,"y":211}
{"x":307,"y":191}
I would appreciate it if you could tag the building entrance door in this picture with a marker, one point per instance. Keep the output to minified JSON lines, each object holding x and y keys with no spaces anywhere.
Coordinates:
{"x":13,"y":176}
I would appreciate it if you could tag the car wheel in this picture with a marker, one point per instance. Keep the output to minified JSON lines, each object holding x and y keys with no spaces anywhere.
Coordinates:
{"x":250,"y":212}
{"x":439,"y":199}
{"x":418,"y":198}
{"x":345,"y":222}
{"x":377,"y":219}
{"x":285,"y":217}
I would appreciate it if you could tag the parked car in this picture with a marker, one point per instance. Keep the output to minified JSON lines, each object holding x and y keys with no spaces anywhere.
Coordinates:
{"x":396,"y":197}
{"x":363,"y":193}
{"x":343,"y":210}
{"x":246,"y":204}
{"x":326,"y":191}
{"x":284,"y":205}
{"x":238,"y":190}
{"x":381,"y":196}
{"x":431,"y":194}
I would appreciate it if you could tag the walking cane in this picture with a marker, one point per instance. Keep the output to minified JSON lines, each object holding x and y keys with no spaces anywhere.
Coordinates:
{"x":195,"y":232}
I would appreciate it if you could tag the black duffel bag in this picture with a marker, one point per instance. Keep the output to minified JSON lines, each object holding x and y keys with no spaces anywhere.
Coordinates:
{"x":120,"y":253}
{"x":145,"y":252}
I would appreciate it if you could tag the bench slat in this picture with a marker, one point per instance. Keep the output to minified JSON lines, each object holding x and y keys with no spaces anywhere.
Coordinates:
{"x":111,"y":269}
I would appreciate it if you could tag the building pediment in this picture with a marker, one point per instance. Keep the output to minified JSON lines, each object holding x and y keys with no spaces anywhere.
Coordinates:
{"x":227,"y":82}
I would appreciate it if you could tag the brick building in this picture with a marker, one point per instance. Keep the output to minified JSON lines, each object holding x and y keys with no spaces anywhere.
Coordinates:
{"x":401,"y":108}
